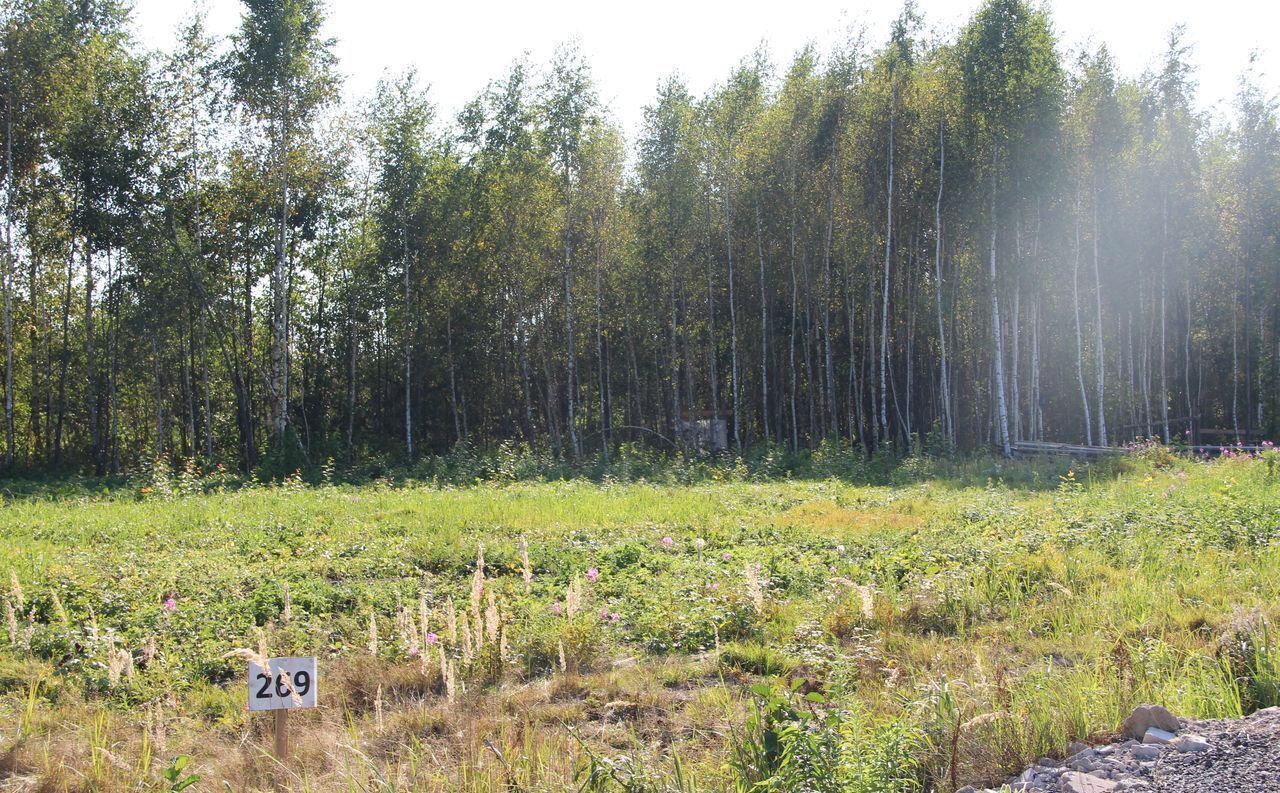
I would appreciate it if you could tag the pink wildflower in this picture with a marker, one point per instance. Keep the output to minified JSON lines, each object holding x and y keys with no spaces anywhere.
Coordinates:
{"x":593,"y":575}
{"x":432,"y":638}
{"x":170,"y":604}
{"x":667,"y":542}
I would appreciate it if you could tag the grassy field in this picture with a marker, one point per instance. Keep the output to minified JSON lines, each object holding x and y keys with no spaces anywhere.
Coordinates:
{"x":723,"y":632}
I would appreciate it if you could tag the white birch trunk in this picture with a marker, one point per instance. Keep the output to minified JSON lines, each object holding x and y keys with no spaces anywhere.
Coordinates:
{"x":945,"y":380}
{"x":1075,"y":293}
{"x":1099,"y":353}
{"x":884,"y":307}
{"x":1002,"y":407}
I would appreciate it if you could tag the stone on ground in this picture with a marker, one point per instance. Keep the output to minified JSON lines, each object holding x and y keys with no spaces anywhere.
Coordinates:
{"x":1076,"y":782}
{"x":1144,"y":717}
{"x":1157,"y":735}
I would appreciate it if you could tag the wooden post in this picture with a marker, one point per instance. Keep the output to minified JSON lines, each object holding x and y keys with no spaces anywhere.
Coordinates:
{"x":282,"y":734}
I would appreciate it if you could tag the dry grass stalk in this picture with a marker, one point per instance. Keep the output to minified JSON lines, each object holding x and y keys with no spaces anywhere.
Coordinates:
{"x":867,"y":595}
{"x":407,"y":631}
{"x":11,"y":621}
{"x":477,"y":595}
{"x":30,"y":630}
{"x":1062,"y":589}
{"x":373,"y":634}
{"x":59,"y":610}
{"x":450,"y":685}
{"x":377,"y":711}
{"x":451,"y":621}
{"x":252,"y":656}
{"x":15,"y":589}
{"x":288,"y":603}
{"x":756,"y":585}
{"x":491,"y":617}
{"x":156,"y":726}
{"x":564,"y":665}
{"x":423,"y":612}
{"x":119,"y":664}
{"x":467,"y":651}
{"x":573,"y":598}
{"x":477,"y":585}
{"x":526,"y":568}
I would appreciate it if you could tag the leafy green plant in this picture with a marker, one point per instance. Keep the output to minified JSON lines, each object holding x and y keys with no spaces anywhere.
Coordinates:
{"x":175,"y":777}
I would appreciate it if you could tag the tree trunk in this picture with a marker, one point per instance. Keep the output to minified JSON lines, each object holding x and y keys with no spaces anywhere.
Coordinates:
{"x":408,"y":348}
{"x":1164,"y":372}
{"x":1015,"y":359}
{"x":571,"y":375}
{"x":948,"y":431}
{"x":453,"y":377}
{"x":6,"y":278}
{"x":764,"y":330}
{"x":1099,"y":352}
{"x":91,"y":366}
{"x":713,"y":365}
{"x":1037,"y":413}
{"x":828,"y":373}
{"x":1075,"y":300}
{"x":279,"y":306}
{"x":733,"y":322}
{"x":1002,"y":409}
{"x":600,"y":359}
{"x":884,"y":305}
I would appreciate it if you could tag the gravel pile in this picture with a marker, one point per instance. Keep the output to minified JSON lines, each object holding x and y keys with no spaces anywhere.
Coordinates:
{"x":1229,"y":755}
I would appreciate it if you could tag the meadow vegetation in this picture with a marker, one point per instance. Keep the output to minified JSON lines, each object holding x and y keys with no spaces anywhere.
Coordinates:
{"x":493,"y":622}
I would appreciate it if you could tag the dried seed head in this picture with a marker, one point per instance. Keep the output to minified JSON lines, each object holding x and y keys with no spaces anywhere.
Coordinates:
{"x":15,"y":589}
{"x":526,"y":567}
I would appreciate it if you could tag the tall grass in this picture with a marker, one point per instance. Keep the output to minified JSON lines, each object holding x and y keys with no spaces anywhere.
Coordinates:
{"x":945,"y":624}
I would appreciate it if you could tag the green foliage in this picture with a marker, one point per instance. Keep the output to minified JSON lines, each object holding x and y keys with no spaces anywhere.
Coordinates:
{"x":1052,"y":606}
{"x":756,"y":659}
{"x":175,"y":778}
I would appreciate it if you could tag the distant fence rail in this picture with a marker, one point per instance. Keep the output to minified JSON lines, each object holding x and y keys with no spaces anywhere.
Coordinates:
{"x":1047,"y":448}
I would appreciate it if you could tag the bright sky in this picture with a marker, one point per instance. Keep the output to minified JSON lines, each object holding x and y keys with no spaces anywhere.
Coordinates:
{"x":458,"y":47}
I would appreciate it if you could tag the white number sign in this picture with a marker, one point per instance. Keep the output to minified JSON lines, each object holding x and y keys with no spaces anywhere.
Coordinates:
{"x":285,"y":684}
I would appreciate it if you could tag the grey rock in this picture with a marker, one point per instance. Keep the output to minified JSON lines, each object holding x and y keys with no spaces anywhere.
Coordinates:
{"x":1144,"y":717}
{"x":1157,"y":735}
{"x":1076,"y":782}
{"x":1190,"y":743}
{"x":1144,"y":752}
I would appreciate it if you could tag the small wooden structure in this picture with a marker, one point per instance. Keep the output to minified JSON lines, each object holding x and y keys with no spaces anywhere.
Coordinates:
{"x":706,"y":433}
{"x":1039,"y":448}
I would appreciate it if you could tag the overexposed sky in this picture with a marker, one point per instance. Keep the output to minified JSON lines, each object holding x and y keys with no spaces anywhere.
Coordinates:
{"x":458,"y":47}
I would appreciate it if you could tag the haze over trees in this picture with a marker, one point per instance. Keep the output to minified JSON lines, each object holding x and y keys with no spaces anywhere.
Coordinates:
{"x":951,"y":241}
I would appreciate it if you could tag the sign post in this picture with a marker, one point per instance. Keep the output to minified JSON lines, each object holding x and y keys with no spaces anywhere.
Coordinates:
{"x":285,"y":684}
